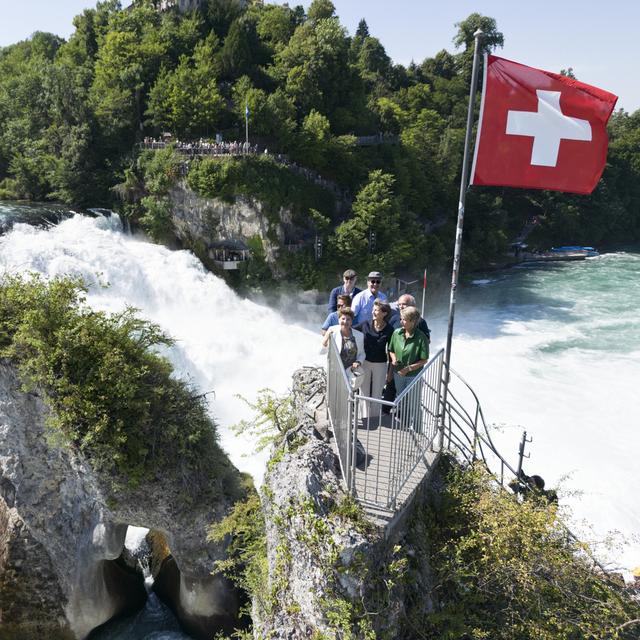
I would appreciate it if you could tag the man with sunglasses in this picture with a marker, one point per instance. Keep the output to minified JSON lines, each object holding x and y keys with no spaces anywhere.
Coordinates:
{"x":348,"y":288}
{"x":362,"y":304}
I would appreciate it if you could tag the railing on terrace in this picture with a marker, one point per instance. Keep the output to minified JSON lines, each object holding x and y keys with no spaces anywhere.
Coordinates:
{"x":465,"y":433}
{"x":387,"y":448}
{"x":384,"y":446}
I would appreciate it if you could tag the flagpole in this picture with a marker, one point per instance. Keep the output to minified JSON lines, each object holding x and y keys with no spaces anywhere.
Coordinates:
{"x":464,"y":180}
{"x":424,"y":290}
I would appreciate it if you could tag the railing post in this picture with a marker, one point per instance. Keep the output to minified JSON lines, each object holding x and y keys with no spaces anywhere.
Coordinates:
{"x":475,"y":433}
{"x":350,"y":449}
{"x":442,"y":408}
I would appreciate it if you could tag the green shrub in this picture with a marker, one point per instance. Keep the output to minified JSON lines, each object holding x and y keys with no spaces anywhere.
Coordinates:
{"x":112,"y":397}
{"x":262,"y":178}
{"x":507,"y":570}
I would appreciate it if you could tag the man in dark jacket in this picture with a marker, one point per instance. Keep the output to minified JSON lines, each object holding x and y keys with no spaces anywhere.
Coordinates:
{"x":348,"y":288}
{"x":407,"y":300}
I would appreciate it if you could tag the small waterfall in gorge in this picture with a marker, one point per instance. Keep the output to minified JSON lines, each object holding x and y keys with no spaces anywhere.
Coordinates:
{"x":155,"y":621}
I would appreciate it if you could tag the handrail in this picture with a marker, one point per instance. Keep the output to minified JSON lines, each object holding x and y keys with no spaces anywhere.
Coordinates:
{"x":398,"y":441}
{"x":417,"y":428}
{"x":480,"y":438}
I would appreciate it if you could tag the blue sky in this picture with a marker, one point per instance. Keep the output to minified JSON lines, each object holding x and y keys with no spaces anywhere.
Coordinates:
{"x":599,"y":40}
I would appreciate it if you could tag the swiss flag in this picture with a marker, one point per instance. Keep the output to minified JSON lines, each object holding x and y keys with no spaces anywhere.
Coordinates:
{"x":540,"y":130}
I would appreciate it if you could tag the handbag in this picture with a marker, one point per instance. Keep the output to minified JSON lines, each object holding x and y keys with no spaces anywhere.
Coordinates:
{"x":388,"y":394}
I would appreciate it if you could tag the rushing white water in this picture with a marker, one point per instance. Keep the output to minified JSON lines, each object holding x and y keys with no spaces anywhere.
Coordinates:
{"x":224,"y":344}
{"x":553,"y":350}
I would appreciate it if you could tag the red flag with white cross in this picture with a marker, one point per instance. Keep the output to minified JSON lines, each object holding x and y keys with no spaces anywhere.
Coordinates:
{"x":540,"y":130}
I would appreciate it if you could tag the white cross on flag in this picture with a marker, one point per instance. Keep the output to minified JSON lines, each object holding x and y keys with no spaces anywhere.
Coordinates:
{"x":540,"y":130}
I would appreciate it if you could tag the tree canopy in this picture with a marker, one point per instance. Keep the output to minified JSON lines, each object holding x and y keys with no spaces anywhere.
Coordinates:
{"x":71,"y":114}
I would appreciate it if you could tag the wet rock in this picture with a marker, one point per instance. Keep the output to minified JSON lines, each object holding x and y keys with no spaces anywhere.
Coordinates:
{"x":62,"y":532}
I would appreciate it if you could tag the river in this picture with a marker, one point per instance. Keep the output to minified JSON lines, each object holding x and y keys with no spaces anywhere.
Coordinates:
{"x":553,"y":349}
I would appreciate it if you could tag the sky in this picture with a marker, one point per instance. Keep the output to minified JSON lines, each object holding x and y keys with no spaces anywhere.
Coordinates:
{"x":598,"y":40}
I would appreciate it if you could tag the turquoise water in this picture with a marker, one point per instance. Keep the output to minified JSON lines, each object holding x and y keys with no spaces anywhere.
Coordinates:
{"x":555,"y":350}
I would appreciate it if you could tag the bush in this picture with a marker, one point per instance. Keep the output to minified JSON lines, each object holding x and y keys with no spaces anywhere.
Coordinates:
{"x":504,"y":570}
{"x":112,"y":397}
{"x":262,"y":178}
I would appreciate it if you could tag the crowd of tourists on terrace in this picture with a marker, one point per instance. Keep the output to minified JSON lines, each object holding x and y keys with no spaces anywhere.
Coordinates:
{"x":203,"y":147}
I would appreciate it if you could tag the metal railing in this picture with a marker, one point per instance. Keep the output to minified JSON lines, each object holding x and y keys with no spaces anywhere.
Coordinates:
{"x":395,"y":436}
{"x":385,"y":448}
{"x":340,"y":410}
{"x":465,"y":432}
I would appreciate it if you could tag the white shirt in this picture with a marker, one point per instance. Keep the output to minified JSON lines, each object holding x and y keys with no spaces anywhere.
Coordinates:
{"x":358,"y":336}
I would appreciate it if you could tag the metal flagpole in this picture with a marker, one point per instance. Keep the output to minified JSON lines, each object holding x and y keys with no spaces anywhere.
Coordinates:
{"x":246,"y":127}
{"x":424,"y":291}
{"x":464,"y":180}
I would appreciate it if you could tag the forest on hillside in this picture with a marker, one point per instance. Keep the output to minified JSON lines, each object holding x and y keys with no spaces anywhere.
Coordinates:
{"x":73,"y":112}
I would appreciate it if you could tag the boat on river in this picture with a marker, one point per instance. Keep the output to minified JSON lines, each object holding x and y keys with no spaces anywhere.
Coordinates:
{"x":555,"y":254}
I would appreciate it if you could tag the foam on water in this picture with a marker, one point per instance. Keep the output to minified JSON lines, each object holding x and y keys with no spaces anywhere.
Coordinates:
{"x":556,"y":351}
{"x":224,"y":344}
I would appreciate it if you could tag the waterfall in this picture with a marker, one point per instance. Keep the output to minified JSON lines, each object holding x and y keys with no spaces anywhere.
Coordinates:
{"x":224,"y":344}
{"x":555,"y":351}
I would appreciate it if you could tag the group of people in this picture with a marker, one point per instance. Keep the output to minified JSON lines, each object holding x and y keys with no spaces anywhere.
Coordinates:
{"x":378,"y":342}
{"x":203,"y":147}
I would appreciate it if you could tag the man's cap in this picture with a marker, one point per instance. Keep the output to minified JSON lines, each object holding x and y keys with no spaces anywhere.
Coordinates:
{"x":349,"y":273}
{"x":374,"y":275}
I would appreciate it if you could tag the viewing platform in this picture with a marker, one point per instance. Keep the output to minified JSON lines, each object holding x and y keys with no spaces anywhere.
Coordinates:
{"x":388,"y":450}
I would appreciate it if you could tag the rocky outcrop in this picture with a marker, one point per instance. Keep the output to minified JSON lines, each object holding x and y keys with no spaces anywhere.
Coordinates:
{"x":199,"y":221}
{"x":62,"y":530}
{"x":331,"y":572}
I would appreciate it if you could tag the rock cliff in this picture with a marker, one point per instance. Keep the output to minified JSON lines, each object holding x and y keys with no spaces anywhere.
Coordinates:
{"x":331,"y":572}
{"x":198,"y":221}
{"x":63,"y":527}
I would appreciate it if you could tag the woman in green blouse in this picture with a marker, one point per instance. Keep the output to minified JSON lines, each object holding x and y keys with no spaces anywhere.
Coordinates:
{"x":408,"y":350}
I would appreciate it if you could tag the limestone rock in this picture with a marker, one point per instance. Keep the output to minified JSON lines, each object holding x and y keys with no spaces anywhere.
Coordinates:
{"x":59,"y":509}
{"x":327,"y":565}
{"x":200,"y":221}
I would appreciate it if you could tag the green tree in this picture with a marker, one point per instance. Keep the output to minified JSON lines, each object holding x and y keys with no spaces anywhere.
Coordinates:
{"x":363,"y":29}
{"x":128,"y":60}
{"x":377,"y":210}
{"x":491,"y":39}
{"x":314,"y":68}
{"x":186,"y":101}
{"x":320,"y":10}
{"x":242,"y":51}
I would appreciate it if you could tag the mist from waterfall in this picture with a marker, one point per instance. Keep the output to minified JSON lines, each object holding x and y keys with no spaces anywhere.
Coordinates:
{"x":225,"y":344}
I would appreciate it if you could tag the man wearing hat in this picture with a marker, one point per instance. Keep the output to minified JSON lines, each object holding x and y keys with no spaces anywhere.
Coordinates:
{"x":362,"y":304}
{"x":348,"y":288}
